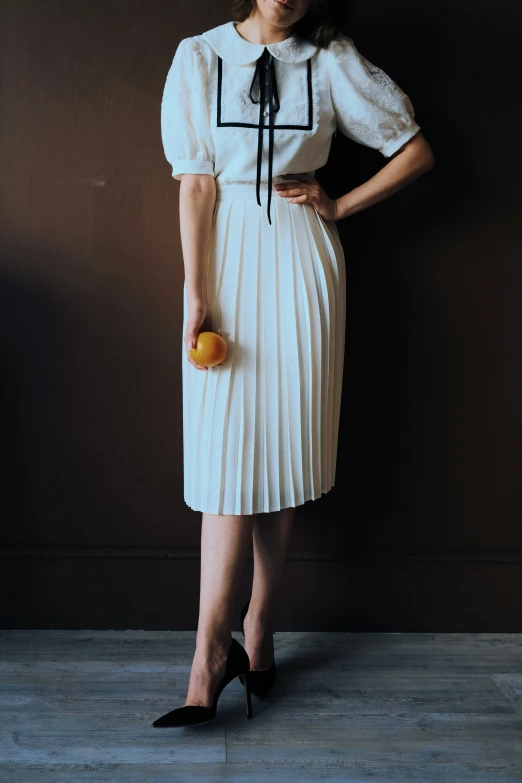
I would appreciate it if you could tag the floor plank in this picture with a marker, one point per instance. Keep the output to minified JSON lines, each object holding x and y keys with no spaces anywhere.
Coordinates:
{"x":250,"y":773}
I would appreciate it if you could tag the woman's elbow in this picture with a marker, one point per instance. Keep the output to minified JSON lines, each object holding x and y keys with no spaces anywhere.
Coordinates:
{"x":199,"y":189}
{"x":422,"y":153}
{"x":203,"y":182}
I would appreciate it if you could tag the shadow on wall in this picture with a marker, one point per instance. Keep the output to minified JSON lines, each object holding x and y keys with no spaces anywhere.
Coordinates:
{"x":432,"y":366}
{"x":89,"y":418}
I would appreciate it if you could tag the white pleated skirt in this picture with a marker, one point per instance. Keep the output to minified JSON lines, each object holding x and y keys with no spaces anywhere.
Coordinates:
{"x":260,"y":431}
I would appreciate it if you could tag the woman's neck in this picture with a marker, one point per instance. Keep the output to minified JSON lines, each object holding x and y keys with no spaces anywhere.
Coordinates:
{"x":257,"y":30}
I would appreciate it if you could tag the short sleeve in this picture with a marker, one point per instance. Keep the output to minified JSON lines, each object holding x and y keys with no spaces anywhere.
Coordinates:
{"x":185,"y":126}
{"x":370,"y":107}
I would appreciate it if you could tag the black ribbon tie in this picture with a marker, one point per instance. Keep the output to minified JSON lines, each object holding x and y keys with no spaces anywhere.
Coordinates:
{"x":265,"y":72}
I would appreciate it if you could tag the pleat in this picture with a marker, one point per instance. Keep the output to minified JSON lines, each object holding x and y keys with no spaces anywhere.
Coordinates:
{"x":262,"y":349}
{"x":324,"y":297}
{"x":327,"y":288}
{"x":297,"y":359}
{"x":336,"y":269}
{"x":260,"y":430}
{"x":248,"y":365}
{"x":270,"y":361}
{"x":312,"y":344}
{"x":289,"y":368}
{"x":230,"y":306}
{"x":224,"y":433}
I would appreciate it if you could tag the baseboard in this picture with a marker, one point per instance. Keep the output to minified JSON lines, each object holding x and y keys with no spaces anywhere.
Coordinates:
{"x":158,"y":589}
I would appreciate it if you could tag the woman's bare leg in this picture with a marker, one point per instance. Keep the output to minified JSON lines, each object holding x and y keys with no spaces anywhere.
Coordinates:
{"x":225,"y":540}
{"x":271,"y":536}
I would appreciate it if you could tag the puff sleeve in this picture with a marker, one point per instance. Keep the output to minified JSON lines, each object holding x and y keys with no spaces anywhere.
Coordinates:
{"x":370,"y":107}
{"x":185,"y":125}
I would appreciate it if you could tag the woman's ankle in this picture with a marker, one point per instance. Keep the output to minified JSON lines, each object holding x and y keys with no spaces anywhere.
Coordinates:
{"x":213,"y":641}
{"x":259,"y":623}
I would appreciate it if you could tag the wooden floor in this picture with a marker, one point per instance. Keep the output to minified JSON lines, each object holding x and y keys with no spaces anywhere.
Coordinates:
{"x":78,"y":706}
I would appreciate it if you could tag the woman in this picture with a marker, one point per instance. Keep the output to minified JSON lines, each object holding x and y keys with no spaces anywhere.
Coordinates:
{"x":248,"y":112}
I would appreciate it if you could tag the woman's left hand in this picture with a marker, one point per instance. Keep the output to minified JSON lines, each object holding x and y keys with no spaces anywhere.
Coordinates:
{"x":309,"y":191}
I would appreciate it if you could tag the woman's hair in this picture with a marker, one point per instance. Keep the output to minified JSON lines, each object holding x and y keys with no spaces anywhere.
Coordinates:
{"x":321,"y":24}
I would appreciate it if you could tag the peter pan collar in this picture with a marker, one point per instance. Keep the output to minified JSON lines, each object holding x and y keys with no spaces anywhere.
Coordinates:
{"x":233,"y":48}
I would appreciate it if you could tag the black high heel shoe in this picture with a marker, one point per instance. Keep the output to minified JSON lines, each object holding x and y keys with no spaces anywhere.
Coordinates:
{"x":237,"y":664}
{"x":261,"y":680}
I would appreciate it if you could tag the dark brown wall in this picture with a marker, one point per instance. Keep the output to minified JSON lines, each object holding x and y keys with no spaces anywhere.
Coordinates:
{"x":423,"y":528}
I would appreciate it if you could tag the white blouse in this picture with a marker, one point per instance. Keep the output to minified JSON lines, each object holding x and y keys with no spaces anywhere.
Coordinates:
{"x":215,"y":118}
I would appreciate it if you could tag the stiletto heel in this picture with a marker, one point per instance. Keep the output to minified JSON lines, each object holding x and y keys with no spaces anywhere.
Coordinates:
{"x":237,"y":665}
{"x":245,"y":678}
{"x":260,"y":680}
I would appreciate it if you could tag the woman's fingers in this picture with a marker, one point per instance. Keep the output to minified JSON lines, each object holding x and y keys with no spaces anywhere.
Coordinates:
{"x":191,"y":360}
{"x":191,"y":341}
{"x":294,"y":193}
{"x":289,"y":190}
{"x":195,"y":364}
{"x":191,"y":337}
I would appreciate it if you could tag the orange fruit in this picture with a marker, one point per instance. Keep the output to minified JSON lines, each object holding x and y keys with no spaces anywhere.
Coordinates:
{"x":210,"y":350}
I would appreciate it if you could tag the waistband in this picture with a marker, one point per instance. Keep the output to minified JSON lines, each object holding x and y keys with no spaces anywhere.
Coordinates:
{"x":247,"y":189}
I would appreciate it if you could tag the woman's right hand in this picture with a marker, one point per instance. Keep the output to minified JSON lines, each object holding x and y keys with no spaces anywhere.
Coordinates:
{"x":199,"y":320}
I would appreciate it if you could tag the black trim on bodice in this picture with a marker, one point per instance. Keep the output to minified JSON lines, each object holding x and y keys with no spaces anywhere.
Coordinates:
{"x":265,"y":77}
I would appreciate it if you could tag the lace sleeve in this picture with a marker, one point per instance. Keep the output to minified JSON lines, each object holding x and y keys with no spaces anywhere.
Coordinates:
{"x":370,"y":107}
{"x":185,"y":127}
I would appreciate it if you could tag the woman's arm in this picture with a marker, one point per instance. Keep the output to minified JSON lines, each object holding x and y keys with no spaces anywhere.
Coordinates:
{"x":413,"y":159}
{"x":409,"y":162}
{"x":197,"y":197}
